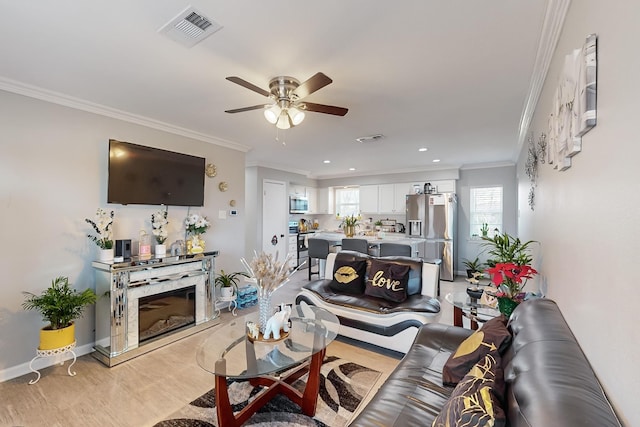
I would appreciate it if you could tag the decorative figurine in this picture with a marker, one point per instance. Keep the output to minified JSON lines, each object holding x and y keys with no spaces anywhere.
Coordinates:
{"x":278,"y":321}
{"x":254,"y":330}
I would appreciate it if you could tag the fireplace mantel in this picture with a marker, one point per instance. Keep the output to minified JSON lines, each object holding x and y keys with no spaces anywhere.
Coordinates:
{"x":119,"y":287}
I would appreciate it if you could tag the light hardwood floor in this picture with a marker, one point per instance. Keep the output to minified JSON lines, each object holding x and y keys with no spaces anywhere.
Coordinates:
{"x":149,"y":388}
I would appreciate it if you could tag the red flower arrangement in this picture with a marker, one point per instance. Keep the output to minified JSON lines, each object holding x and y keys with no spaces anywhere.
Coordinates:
{"x":510,"y":278}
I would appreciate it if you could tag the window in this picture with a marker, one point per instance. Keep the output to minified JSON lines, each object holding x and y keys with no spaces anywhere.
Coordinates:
{"x":347,"y":201}
{"x":486,"y":208}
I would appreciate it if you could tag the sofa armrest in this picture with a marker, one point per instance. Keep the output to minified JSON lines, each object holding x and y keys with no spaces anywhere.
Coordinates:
{"x":430,"y":279}
{"x":328,"y":266}
{"x":447,"y":338}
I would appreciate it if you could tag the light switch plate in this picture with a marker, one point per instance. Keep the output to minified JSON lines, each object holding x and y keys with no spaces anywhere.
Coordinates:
{"x":222,"y":214}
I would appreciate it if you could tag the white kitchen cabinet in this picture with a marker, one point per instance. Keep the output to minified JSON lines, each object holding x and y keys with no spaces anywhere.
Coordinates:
{"x":312,"y":195}
{"x":386,"y":198}
{"x":400,"y":197}
{"x":368,"y":198}
{"x":293,"y":249}
{"x":296,"y":190}
{"x":326,"y":201}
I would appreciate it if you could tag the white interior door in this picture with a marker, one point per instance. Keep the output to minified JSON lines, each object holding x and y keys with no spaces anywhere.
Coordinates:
{"x":274,"y":218}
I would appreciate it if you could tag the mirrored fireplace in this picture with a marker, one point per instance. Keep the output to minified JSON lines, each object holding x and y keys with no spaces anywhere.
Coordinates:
{"x":165,"y":312}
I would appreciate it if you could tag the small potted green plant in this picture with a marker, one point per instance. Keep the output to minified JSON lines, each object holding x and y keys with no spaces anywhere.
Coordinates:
{"x":59,"y":305}
{"x":473,"y":266}
{"x":349,"y":224}
{"x":484,"y":229}
{"x":228,"y":282}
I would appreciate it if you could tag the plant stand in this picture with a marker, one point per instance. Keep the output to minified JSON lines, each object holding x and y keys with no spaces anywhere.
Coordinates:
{"x":232,"y":302}
{"x":54,"y":352}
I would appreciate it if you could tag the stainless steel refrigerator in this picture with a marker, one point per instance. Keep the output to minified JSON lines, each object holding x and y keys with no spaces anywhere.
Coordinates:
{"x":434,"y":218}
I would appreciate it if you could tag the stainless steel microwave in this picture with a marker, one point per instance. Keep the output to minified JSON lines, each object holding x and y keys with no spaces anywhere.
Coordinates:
{"x":298,"y":204}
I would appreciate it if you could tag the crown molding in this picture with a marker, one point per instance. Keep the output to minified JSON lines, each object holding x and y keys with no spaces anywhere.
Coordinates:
{"x":31,"y":91}
{"x":487,"y":165}
{"x":555,"y":14}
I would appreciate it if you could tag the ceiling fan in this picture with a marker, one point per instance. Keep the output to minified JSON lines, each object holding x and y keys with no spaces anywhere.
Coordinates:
{"x":287,"y":92}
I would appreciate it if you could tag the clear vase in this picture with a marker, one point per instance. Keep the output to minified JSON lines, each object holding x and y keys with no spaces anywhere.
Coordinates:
{"x":264,"y":305}
{"x":195,"y":244}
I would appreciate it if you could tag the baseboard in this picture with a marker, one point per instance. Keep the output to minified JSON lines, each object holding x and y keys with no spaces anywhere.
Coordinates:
{"x":23,"y":369}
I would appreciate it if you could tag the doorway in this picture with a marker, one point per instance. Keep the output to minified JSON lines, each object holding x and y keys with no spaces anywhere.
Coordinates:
{"x":274,"y":218}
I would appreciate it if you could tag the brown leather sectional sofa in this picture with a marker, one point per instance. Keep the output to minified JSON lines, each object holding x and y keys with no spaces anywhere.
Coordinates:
{"x":549,"y":382}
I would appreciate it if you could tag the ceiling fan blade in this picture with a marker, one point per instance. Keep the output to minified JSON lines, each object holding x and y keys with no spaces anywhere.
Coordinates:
{"x":316,"y":82}
{"x":321,"y":108}
{"x":250,"y":86}
{"x":241,"y":110}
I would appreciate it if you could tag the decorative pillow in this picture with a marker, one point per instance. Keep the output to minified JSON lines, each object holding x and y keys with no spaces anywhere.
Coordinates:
{"x":476,"y":399}
{"x":348,"y":276}
{"x":387,"y":280}
{"x":493,"y":336}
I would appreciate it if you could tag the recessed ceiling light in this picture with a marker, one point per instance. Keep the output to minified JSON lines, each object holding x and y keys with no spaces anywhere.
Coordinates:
{"x":422,"y":149}
{"x":326,"y":161}
{"x":352,"y":169}
{"x":436,"y":160}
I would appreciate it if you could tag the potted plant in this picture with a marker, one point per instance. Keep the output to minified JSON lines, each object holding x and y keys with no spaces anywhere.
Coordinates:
{"x":159,"y":224}
{"x":59,"y":305}
{"x":349,"y":224}
{"x":227,"y":282}
{"x":474,"y":266}
{"x":104,"y":239}
{"x":503,"y":248}
{"x":484,"y":229}
{"x":509,"y":269}
{"x":196,"y":225}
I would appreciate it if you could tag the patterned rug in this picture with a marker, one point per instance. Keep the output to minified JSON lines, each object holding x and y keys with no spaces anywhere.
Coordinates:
{"x":343,"y":385}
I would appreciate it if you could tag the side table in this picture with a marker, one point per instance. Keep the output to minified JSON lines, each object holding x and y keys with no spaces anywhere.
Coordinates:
{"x":54,"y":352}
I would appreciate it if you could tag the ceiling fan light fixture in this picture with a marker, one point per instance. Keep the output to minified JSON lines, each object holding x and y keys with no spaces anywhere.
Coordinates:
{"x":283,"y":121}
{"x":272,"y":114}
{"x":296,"y":115}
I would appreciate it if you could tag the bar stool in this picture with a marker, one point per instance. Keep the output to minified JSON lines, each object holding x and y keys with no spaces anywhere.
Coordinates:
{"x":394,"y":249}
{"x":358,"y":245}
{"x":318,"y":249}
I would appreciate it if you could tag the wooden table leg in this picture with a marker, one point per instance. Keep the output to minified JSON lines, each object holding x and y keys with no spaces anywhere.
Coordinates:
{"x":310,"y":395}
{"x":223,"y":406}
{"x":457,"y":316}
{"x":307,"y":400}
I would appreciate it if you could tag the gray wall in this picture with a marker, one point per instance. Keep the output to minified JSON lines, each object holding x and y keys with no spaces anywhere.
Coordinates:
{"x":53,"y":175}
{"x":486,"y":177}
{"x":586,"y":218}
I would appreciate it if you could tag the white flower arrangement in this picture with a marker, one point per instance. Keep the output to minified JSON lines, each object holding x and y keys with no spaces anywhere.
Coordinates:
{"x":102,"y":226}
{"x":196,"y":224}
{"x":159,"y":224}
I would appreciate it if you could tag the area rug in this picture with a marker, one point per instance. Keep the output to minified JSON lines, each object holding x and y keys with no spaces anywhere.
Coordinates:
{"x":343,"y":386}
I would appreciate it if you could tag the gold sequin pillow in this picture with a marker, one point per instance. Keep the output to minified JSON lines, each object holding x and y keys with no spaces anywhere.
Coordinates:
{"x":348,"y":276}
{"x":493,"y":336}
{"x":476,"y":400}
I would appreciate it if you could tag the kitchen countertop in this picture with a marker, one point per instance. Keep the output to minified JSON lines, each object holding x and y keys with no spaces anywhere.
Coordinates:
{"x":388,"y":237}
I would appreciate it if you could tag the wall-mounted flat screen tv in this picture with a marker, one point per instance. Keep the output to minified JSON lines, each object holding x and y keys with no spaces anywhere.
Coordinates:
{"x":150,"y":176}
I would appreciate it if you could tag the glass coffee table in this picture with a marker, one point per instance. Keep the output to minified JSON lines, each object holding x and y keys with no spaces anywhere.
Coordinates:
{"x":228,"y":353}
{"x":472,"y":308}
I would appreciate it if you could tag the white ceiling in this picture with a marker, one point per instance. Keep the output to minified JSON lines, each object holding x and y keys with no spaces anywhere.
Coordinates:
{"x":452,"y":76}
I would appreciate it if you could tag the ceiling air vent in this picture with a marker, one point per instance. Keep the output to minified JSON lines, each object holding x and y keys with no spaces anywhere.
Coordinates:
{"x":189,"y":27}
{"x":370,"y":138}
